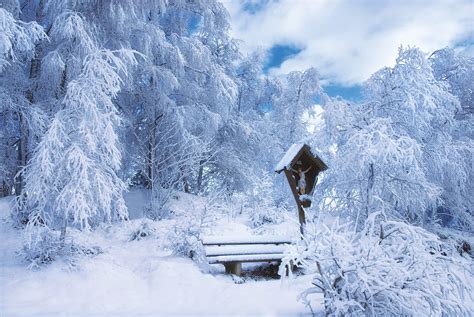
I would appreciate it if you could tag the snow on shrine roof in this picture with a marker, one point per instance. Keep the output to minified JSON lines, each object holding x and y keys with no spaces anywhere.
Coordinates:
{"x":289,"y":156}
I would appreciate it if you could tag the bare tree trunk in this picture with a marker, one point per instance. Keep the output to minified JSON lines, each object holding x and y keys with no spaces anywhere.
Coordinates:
{"x":370,"y":185}
{"x":151,"y":148}
{"x":149,"y":162}
{"x":62,"y":237}
{"x":21,"y":155}
{"x":186,"y":185}
{"x":200,"y":175}
{"x":35,"y":66}
{"x":239,"y":104}
{"x":62,"y":85}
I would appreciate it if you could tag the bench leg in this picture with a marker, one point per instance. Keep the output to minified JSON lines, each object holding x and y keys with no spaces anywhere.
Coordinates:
{"x":233,"y":268}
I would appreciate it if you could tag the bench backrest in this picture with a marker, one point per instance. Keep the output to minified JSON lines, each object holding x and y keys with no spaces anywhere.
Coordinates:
{"x":245,"y":249}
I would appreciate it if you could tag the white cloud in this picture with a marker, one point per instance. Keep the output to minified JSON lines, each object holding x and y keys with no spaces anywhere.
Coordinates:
{"x":348,"y":40}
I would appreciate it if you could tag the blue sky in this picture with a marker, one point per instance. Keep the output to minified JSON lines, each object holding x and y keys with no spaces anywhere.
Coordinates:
{"x":347,"y":40}
{"x":277,"y":54}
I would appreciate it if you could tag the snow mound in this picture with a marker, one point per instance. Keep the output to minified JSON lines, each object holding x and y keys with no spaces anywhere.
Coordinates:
{"x":133,"y":278}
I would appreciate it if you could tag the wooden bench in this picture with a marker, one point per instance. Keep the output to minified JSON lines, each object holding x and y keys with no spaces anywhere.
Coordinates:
{"x":233,"y":251}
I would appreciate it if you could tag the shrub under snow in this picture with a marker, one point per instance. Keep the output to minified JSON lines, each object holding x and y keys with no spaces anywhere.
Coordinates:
{"x":43,"y":246}
{"x":144,"y":230}
{"x":262,"y":209}
{"x":186,"y":235}
{"x":390,"y":268}
{"x":185,"y":239}
{"x":265,"y":215}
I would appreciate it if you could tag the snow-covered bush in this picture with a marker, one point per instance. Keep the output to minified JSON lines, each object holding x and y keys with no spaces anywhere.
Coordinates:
{"x":264,"y":215}
{"x":144,"y":230}
{"x":455,"y":240}
{"x":185,"y":239}
{"x":262,"y":209}
{"x":43,"y":246}
{"x":158,"y":208}
{"x":236,"y":203}
{"x":185,"y":236}
{"x":389,"y":268}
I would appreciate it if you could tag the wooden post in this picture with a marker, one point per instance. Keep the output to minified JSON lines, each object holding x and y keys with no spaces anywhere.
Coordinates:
{"x":301,"y":215}
{"x":233,"y":268}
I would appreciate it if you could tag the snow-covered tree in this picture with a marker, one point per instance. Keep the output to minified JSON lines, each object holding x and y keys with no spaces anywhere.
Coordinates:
{"x":72,"y":177}
{"x":386,"y":171}
{"x":458,"y":70}
{"x":182,"y":94}
{"x":21,"y":122}
{"x":296,"y":98}
{"x":396,"y":149}
{"x":17,"y":39}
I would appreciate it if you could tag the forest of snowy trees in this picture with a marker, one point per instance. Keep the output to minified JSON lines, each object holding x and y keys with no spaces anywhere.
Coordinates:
{"x":103,"y":97}
{"x":111,"y":95}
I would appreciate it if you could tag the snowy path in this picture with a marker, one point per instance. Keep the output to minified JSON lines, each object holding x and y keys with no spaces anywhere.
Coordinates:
{"x":133,"y":279}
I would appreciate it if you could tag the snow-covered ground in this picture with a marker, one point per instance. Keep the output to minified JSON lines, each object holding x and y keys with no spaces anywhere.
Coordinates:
{"x":137,"y":278}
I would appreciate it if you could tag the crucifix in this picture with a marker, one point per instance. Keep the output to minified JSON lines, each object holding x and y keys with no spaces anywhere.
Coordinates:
{"x":301,"y":169}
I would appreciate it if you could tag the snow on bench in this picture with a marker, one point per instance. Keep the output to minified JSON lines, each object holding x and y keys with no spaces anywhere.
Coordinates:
{"x":245,"y":249}
{"x":247,"y":240}
{"x":232,"y":251}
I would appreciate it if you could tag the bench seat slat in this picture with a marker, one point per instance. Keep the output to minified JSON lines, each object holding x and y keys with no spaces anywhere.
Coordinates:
{"x":214,"y":250}
{"x":245,"y":258}
{"x":228,"y":240}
